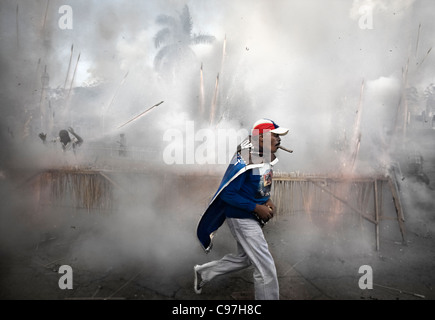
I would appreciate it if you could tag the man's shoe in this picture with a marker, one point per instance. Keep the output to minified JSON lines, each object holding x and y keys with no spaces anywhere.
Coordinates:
{"x":198,"y":282}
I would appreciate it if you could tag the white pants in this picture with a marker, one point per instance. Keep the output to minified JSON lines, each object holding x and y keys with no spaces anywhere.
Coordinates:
{"x":252,"y":249}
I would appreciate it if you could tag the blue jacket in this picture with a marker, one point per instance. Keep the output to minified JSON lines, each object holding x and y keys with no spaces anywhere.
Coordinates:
{"x":237,"y":195}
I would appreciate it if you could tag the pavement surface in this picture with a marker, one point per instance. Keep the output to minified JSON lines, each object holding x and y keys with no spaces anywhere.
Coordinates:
{"x":145,"y":249}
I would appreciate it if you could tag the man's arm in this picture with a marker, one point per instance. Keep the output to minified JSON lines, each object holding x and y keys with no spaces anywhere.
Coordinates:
{"x":79,"y":139}
{"x":231,"y":195}
{"x":43,"y":137}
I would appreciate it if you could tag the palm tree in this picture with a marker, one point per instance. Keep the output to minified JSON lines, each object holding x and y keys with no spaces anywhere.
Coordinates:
{"x":174,"y":41}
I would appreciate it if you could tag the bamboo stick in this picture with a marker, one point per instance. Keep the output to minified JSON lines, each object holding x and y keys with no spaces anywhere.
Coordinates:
{"x":323,"y":179}
{"x":376,"y":192}
{"x":424,"y":58}
{"x":401,"y":291}
{"x":418,"y":39}
{"x":345,"y":202}
{"x":45,"y":16}
{"x":357,"y":131}
{"x":73,"y":77}
{"x":398,"y":206}
{"x":69,"y":66}
{"x":141,"y":114}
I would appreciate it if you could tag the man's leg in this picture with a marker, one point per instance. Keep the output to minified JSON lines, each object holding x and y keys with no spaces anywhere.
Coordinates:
{"x":252,"y":248}
{"x":229,"y":263}
{"x":250,"y":236}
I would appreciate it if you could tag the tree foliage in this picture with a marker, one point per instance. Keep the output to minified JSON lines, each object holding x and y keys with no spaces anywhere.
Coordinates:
{"x":174,"y":40}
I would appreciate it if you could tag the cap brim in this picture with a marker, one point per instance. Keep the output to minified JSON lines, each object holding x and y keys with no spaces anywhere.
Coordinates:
{"x":280,"y":131}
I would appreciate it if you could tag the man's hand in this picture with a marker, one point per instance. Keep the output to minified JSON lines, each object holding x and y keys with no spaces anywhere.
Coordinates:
{"x":270,"y":204}
{"x":43,"y":136}
{"x":264,"y":212}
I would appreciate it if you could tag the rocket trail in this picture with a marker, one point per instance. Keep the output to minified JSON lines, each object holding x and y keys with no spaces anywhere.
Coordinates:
{"x":201,"y":102}
{"x":74,"y":75}
{"x":45,"y":16}
{"x":141,"y":114}
{"x":69,"y":66}
{"x":117,"y":90}
{"x":213,"y":105}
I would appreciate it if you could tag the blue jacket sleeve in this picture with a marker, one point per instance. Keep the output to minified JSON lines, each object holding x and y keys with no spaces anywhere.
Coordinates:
{"x":231,"y":195}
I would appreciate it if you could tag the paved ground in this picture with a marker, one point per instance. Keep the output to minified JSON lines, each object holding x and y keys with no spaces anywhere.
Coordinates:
{"x":147,"y":248}
{"x":112,"y":258}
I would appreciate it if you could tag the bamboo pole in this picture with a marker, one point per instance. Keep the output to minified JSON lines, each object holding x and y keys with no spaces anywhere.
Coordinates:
{"x":73,"y":78}
{"x":325,"y":179}
{"x":401,"y":291}
{"x":418,"y":39}
{"x":344,"y":202}
{"x":376,"y":192}
{"x":357,"y":131}
{"x":365,"y":200}
{"x":42,"y":107}
{"x":380,"y":199}
{"x":398,"y":206}
{"x":141,"y":114}
{"x":69,"y":66}
{"x":424,"y":58}
{"x":305,"y":200}
{"x":45,"y":16}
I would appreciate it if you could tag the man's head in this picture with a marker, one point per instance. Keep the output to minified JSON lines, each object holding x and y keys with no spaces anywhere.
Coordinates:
{"x":267,"y":133}
{"x":64,"y":137}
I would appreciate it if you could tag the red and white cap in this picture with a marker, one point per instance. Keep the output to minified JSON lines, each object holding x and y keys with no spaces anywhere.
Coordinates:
{"x":267,"y":125}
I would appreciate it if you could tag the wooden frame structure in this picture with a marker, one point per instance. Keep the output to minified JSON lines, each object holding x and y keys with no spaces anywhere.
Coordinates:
{"x":81,"y":189}
{"x":92,"y":189}
{"x":368,"y":188}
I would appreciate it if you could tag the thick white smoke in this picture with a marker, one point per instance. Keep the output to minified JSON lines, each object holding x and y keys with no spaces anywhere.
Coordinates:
{"x":300,"y":63}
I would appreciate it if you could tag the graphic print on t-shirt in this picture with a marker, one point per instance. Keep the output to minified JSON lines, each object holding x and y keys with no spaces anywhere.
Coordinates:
{"x":265,"y":183}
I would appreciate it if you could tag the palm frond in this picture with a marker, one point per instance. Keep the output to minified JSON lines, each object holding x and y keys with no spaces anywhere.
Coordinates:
{"x":202,"y":38}
{"x":162,"y":37}
{"x":186,"y":21}
{"x":174,"y":40}
{"x":163,"y":52}
{"x":166,"y":20}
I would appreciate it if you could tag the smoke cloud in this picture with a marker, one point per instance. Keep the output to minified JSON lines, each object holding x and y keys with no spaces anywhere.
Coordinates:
{"x":311,"y":66}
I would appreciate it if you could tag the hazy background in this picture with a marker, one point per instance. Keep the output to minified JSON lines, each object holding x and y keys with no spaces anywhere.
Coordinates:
{"x":300,"y":63}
